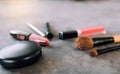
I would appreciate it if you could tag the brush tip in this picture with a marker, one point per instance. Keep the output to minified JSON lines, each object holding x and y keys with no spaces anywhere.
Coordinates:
{"x":93,"y":53}
{"x":84,"y":43}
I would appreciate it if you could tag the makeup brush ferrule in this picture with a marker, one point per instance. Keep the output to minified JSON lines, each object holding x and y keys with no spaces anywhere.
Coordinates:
{"x":102,"y":40}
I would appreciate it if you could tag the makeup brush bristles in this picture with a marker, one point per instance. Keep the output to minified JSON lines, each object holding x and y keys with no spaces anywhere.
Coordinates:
{"x":93,"y":53}
{"x":84,"y":42}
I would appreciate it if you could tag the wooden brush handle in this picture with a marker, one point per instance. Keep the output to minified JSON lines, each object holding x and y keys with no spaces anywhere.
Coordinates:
{"x":116,"y":38}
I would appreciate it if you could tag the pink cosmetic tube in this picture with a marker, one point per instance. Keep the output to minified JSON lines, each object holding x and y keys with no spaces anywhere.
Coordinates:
{"x":39,"y":39}
{"x":81,"y":32}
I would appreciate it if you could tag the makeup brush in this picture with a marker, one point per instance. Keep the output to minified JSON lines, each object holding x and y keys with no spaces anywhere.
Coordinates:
{"x":49,"y":34}
{"x":21,"y":35}
{"x":105,"y":50}
{"x":86,"y":42}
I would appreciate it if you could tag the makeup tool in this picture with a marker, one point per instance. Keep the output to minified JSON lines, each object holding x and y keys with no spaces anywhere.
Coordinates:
{"x":82,"y":32}
{"x":35,"y":29}
{"x":49,"y":34}
{"x":105,"y":50}
{"x":19,"y":54}
{"x":21,"y":35}
{"x":86,"y":42}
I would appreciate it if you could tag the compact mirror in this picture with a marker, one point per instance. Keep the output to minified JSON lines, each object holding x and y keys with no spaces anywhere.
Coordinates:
{"x":19,"y":54}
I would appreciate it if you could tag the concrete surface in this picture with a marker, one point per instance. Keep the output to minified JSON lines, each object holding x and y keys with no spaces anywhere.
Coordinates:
{"x":62,"y":58}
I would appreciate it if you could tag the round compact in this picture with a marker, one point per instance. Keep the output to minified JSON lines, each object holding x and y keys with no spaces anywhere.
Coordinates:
{"x":19,"y":54}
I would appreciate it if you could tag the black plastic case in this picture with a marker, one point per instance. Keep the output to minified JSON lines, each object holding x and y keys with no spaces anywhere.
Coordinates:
{"x":19,"y":54}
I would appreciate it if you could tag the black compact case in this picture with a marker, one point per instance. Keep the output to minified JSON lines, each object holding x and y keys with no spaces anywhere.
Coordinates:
{"x":19,"y":54}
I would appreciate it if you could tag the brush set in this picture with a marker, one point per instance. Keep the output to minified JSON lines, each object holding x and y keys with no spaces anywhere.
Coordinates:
{"x":87,"y":43}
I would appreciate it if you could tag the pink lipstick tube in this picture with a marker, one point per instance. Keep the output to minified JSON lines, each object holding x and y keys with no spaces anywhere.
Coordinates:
{"x":81,"y":32}
{"x":39,"y":39}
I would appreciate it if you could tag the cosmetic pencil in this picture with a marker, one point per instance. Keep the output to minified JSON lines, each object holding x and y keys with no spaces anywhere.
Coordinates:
{"x":86,"y":42}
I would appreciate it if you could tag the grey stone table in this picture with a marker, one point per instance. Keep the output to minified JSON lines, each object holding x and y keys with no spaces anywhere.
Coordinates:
{"x":62,"y":58}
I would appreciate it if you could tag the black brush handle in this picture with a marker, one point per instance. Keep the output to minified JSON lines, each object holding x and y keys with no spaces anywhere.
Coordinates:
{"x":103,"y":41}
{"x":48,"y":27}
{"x":49,"y":35}
{"x":109,"y":49}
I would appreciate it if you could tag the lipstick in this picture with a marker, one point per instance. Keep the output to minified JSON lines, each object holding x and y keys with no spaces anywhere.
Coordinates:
{"x":21,"y":35}
{"x":81,"y":32}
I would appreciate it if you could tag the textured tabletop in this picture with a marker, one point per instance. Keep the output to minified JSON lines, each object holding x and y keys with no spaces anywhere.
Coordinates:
{"x":62,"y":58}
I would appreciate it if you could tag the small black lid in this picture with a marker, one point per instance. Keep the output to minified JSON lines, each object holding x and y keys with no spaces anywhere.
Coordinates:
{"x":68,"y":34}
